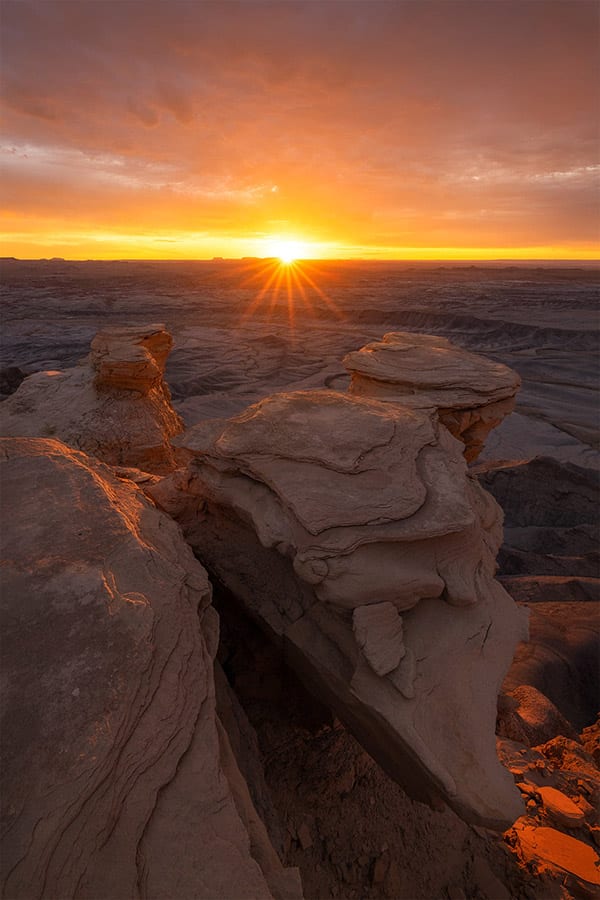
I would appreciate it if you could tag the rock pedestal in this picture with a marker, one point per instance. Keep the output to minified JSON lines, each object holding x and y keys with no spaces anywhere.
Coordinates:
{"x":352,"y":532}
{"x":115,"y":405}
{"x":470,"y":393}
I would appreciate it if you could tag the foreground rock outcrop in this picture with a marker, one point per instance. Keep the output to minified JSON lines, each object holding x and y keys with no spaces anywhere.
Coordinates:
{"x":118,"y":780}
{"x":352,"y":532}
{"x":471,"y":394}
{"x":115,"y":405}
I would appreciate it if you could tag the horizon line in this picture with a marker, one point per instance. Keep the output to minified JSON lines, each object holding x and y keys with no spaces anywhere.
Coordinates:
{"x":358,"y":259}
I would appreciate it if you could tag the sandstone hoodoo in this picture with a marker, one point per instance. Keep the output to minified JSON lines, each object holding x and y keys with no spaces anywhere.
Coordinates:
{"x":471,"y":394}
{"x":115,"y":405}
{"x":117,"y":780}
{"x":352,"y":531}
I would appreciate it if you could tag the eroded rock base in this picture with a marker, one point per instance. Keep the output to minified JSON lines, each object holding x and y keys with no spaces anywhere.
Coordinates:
{"x":354,"y":833}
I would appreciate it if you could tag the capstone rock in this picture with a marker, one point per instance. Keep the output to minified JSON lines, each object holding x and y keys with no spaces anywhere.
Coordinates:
{"x":470,"y":393}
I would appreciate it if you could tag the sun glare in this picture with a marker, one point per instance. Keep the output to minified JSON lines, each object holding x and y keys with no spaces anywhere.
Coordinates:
{"x":286,"y":251}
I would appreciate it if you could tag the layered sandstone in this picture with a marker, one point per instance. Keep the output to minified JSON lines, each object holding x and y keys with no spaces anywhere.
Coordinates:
{"x":117,"y":778}
{"x":115,"y":405}
{"x":353,"y":533}
{"x":470,"y":393}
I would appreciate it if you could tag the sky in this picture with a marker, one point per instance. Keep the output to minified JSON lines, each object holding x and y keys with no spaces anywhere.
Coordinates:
{"x":433,"y":129}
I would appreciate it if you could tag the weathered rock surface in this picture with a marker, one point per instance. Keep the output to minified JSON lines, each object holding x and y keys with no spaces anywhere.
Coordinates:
{"x":115,"y":405}
{"x":556,"y":841}
{"x":471,"y":394}
{"x":117,"y":778}
{"x":329,"y":515}
{"x":550,"y":852}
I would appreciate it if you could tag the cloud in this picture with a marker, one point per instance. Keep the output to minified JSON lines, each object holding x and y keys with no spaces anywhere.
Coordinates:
{"x":357,"y":111}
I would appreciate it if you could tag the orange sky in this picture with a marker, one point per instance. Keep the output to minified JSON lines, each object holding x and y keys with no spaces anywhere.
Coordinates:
{"x":432,"y":129}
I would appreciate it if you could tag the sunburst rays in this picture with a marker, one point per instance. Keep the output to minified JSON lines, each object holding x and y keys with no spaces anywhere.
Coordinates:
{"x":291,"y":287}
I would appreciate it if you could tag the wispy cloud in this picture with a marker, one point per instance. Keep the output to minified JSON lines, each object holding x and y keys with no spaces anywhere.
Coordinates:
{"x":445,"y":121}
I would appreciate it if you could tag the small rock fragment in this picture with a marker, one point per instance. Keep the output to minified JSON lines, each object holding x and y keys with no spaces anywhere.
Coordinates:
{"x":378,"y":632}
{"x":561,"y":808}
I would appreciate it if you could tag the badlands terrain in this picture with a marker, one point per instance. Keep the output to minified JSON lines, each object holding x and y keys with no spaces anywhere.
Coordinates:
{"x":375,"y":723}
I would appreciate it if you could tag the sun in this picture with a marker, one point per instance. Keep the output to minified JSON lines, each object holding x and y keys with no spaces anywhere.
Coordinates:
{"x":286,"y":251}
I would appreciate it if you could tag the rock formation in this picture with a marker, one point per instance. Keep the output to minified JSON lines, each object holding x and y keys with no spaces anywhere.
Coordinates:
{"x":471,"y":394}
{"x":118,"y":780}
{"x":353,"y":533}
{"x":115,"y":405}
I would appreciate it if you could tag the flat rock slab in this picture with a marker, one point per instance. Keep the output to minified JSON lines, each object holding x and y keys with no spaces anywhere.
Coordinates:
{"x":561,"y":807}
{"x":547,"y":848}
{"x":429,"y":371}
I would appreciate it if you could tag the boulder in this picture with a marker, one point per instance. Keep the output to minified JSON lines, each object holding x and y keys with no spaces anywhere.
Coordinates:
{"x":353,"y":533}
{"x":117,"y":778}
{"x":115,"y":405}
{"x":527,"y":716}
{"x":470,"y":393}
{"x":560,"y":659}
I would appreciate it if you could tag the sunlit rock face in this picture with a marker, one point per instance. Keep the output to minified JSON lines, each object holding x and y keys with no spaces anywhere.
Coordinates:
{"x":130,"y":358}
{"x":471,"y":394}
{"x":117,"y":778}
{"x":352,"y":532}
{"x":115,"y":405}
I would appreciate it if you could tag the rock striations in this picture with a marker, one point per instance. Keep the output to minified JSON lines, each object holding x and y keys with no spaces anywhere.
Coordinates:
{"x":349,"y":528}
{"x":471,"y":394}
{"x":117,"y":778}
{"x":352,"y":531}
{"x":115,"y":405}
